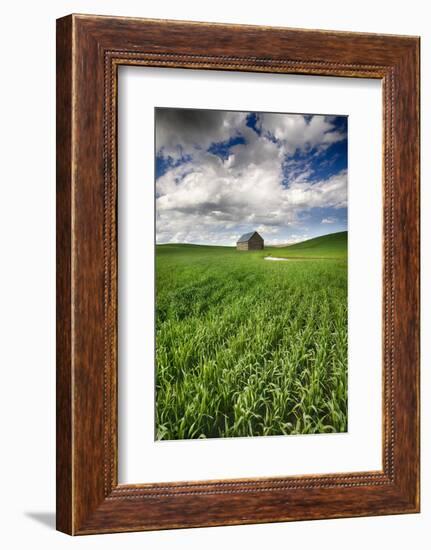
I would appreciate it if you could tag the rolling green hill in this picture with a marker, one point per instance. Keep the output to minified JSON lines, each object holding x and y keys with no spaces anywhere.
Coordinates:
{"x":328,"y":246}
{"x":332,"y":246}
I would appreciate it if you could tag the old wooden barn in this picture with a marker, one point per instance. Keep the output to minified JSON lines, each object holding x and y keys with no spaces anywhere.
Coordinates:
{"x":250,"y":241}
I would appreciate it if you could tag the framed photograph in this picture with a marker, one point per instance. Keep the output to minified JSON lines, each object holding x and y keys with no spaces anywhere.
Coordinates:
{"x":237,"y":274}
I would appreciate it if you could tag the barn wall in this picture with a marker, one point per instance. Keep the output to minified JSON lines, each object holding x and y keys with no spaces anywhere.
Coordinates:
{"x":242,"y":246}
{"x":255,"y":245}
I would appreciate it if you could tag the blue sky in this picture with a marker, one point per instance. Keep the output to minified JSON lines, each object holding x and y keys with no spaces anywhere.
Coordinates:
{"x":220,"y":174}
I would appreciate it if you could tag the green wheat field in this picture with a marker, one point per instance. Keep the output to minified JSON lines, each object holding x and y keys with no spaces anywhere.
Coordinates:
{"x":251,"y":347}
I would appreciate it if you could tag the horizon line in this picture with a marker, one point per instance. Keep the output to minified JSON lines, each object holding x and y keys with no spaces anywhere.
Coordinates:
{"x":269,"y":244}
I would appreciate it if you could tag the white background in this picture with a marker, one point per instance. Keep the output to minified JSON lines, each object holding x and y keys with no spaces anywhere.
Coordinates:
{"x":27,"y":310}
{"x":141,"y":458}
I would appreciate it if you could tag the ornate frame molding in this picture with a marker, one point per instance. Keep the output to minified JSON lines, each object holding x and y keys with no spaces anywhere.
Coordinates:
{"x":90,"y":49}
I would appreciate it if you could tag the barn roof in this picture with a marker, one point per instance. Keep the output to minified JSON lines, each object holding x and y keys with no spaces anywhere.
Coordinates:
{"x":246,"y":237}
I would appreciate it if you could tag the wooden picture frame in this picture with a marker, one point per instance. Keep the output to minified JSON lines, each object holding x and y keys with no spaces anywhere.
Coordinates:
{"x":89,"y":51}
